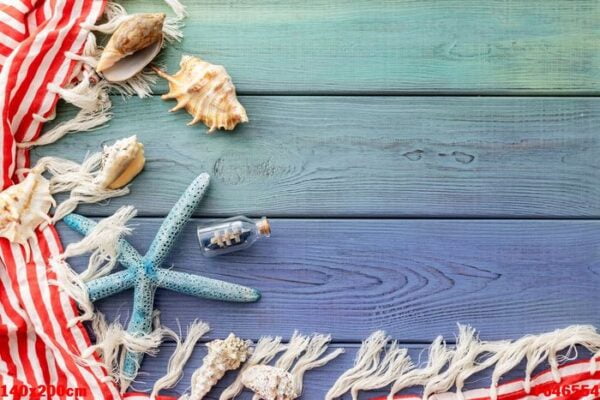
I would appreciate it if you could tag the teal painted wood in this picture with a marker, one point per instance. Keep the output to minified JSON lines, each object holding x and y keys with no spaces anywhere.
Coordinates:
{"x":365,"y":156}
{"x":414,"y":278}
{"x":316,"y":382}
{"x":347,"y":46}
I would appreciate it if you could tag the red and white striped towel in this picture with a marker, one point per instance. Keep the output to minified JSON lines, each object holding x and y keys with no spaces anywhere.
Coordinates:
{"x":37,"y":350}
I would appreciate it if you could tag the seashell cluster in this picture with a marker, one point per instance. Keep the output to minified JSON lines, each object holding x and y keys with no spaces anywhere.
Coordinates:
{"x":223,"y":355}
{"x":206,"y":92}
{"x":132,"y":46}
{"x":120,"y":163}
{"x":269,"y":383}
{"x":24,"y":207}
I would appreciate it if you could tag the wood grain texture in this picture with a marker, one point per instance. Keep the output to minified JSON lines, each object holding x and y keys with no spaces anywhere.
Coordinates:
{"x":316,"y":383}
{"x":348,"y":46}
{"x":365,"y":157}
{"x":415,"y":279}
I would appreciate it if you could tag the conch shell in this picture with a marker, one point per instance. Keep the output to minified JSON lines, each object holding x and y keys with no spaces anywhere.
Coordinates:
{"x":132,"y":46}
{"x":223,"y":355}
{"x":206,"y":92}
{"x":269,"y":383}
{"x":24,"y":206}
{"x":121,"y":162}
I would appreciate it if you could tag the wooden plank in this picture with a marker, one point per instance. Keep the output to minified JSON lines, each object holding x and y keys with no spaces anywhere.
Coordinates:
{"x":347,"y":46}
{"x":415,"y":279}
{"x":366,"y":156}
{"x":316,"y":383}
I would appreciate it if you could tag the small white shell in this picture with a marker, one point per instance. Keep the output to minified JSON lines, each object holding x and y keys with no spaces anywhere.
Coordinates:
{"x":24,"y":206}
{"x":223,"y":355}
{"x":121,"y":162}
{"x":206,"y":92}
{"x":269,"y":383}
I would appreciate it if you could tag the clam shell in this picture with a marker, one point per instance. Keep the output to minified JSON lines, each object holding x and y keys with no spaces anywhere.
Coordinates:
{"x":24,"y":206}
{"x":206,"y":92}
{"x":121,"y":162}
{"x":132,"y":46}
{"x":269,"y":383}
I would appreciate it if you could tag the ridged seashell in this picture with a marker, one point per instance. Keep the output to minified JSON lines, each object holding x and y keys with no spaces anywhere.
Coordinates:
{"x":269,"y":383}
{"x":206,"y":92}
{"x":132,"y":46}
{"x":223,"y":355}
{"x":24,"y":206}
{"x":121,"y":162}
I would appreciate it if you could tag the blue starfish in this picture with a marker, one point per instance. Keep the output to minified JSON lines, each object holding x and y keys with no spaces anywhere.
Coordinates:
{"x":145,"y":275}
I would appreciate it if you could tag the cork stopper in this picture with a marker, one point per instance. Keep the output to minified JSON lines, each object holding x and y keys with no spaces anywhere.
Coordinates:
{"x":264,"y":227}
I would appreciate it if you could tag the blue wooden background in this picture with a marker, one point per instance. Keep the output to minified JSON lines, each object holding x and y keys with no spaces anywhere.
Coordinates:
{"x":425,"y":163}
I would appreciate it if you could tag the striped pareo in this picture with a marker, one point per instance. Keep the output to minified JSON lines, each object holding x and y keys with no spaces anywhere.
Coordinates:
{"x":37,"y":349}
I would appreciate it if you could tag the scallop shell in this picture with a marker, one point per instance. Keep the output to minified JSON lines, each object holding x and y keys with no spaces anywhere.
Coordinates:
{"x":206,"y":92}
{"x":121,"y":162}
{"x":223,"y":355}
{"x":24,"y":207}
{"x":269,"y":383}
{"x":132,"y":46}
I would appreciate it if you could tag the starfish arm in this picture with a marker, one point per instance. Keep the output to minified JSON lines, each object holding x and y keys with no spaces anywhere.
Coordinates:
{"x":128,"y":256}
{"x":140,"y":323}
{"x":195,"y":285}
{"x":176,"y":220}
{"x":110,"y":284}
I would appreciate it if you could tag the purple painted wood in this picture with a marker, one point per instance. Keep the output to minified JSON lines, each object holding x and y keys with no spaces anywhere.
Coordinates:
{"x":414,"y":278}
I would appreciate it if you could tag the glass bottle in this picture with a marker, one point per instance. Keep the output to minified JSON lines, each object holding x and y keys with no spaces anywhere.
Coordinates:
{"x":232,"y":234}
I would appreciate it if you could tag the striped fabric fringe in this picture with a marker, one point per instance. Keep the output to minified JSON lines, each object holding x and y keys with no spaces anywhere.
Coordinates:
{"x":40,"y":43}
{"x":300,"y":355}
{"x":379,"y":365}
{"x":87,"y":90}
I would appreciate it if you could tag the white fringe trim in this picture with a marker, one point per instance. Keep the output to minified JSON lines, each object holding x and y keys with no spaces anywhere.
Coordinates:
{"x":366,"y":362}
{"x":266,"y":349}
{"x":103,"y":244}
{"x":95,"y":107}
{"x":439,"y":355}
{"x":79,"y":179}
{"x":112,"y":345}
{"x":178,"y":8}
{"x":302,"y":354}
{"x":312,"y":358}
{"x":375,"y":368}
{"x":180,"y":356}
{"x":70,"y":282}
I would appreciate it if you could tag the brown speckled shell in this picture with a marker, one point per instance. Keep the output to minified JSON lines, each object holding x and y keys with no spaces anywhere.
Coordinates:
{"x":206,"y":92}
{"x":136,"y":33}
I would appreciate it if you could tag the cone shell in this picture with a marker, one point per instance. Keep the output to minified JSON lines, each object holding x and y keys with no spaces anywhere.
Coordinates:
{"x":206,"y":92}
{"x":269,"y":383}
{"x":139,"y":38}
{"x":24,"y":207}
{"x":121,"y":162}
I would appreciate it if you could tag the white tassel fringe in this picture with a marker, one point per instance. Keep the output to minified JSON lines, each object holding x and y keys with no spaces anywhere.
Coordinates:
{"x":266,"y":349}
{"x":375,"y":368}
{"x":180,"y":356}
{"x":103,"y":243}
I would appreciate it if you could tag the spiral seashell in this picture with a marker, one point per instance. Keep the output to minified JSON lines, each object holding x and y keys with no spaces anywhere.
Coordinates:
{"x":223,"y":355}
{"x":121,"y":162}
{"x":269,"y":383}
{"x":206,"y":92}
{"x":24,"y":206}
{"x":132,"y":46}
